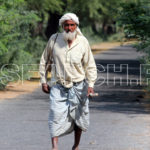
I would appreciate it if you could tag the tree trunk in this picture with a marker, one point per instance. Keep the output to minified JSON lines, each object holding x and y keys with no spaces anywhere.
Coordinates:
{"x":53,"y":24}
{"x":104,"y":27}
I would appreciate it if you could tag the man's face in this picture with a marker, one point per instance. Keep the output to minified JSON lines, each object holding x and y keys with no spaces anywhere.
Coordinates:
{"x":69,"y":26}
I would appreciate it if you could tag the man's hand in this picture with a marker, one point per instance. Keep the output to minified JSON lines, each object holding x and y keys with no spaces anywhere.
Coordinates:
{"x":90,"y":91}
{"x":45,"y":88}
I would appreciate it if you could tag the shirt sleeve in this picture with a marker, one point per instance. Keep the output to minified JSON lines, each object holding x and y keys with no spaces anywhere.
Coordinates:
{"x":89,"y":65}
{"x":44,"y":59}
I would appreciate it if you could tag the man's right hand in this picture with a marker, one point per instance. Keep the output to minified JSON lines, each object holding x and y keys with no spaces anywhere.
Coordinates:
{"x":45,"y":88}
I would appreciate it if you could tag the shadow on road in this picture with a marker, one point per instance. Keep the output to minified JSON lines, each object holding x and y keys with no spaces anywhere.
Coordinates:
{"x":122,"y":102}
{"x":123,"y":95}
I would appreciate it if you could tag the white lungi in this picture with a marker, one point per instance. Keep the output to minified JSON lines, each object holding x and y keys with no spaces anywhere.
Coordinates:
{"x":68,"y":106}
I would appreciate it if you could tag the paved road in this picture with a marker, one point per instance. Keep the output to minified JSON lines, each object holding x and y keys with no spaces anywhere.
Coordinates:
{"x":120,"y":119}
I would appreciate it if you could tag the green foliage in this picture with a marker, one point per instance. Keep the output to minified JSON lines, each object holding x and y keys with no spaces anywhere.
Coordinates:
{"x":91,"y":36}
{"x":16,"y":23}
{"x":36,"y":47}
{"x":94,"y":11}
{"x":135,"y":18}
{"x":23,"y":24}
{"x":3,"y":79}
{"x":44,"y":6}
{"x":118,"y":37}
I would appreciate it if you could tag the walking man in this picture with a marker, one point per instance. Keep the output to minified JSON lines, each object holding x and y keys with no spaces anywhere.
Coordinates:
{"x":73,"y":74}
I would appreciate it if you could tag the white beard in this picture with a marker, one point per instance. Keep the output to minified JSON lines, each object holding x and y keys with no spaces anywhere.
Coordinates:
{"x":70,"y":35}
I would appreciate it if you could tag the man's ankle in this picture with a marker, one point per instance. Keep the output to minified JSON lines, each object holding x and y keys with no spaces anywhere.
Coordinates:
{"x":75,"y":147}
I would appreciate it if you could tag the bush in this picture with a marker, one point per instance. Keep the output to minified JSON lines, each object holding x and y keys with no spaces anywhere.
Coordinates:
{"x":36,"y":47}
{"x":16,"y":22}
{"x":118,"y":37}
{"x":91,"y":36}
{"x":135,"y":18}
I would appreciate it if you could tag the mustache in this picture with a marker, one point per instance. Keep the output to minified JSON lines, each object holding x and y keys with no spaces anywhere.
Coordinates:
{"x":68,"y":31}
{"x":69,"y":35}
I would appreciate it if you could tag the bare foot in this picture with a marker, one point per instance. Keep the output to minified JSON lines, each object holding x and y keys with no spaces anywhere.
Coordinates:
{"x":54,"y":149}
{"x":75,"y":148}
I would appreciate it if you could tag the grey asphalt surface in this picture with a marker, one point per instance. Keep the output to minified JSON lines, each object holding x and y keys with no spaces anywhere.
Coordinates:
{"x":119,"y":116}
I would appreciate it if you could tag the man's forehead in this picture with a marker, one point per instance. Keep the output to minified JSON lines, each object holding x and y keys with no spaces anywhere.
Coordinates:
{"x":69,"y":22}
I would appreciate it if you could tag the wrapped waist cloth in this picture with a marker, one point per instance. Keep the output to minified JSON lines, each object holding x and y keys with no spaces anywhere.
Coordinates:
{"x":68,"y":106}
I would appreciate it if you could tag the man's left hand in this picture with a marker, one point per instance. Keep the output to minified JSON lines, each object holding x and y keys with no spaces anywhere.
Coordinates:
{"x":90,"y":90}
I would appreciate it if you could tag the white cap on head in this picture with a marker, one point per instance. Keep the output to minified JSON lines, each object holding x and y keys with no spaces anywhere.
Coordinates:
{"x":70,"y":16}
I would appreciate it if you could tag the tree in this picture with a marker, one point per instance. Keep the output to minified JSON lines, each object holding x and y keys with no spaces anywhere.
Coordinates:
{"x":135,"y":19}
{"x":95,"y":13}
{"x":15,"y":25}
{"x":49,"y":11}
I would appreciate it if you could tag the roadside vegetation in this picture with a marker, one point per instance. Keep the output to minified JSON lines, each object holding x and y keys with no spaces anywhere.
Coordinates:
{"x":135,"y":20}
{"x":26,"y":25}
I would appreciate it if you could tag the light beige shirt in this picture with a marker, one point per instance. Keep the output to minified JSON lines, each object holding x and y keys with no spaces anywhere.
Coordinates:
{"x":71,"y":64}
